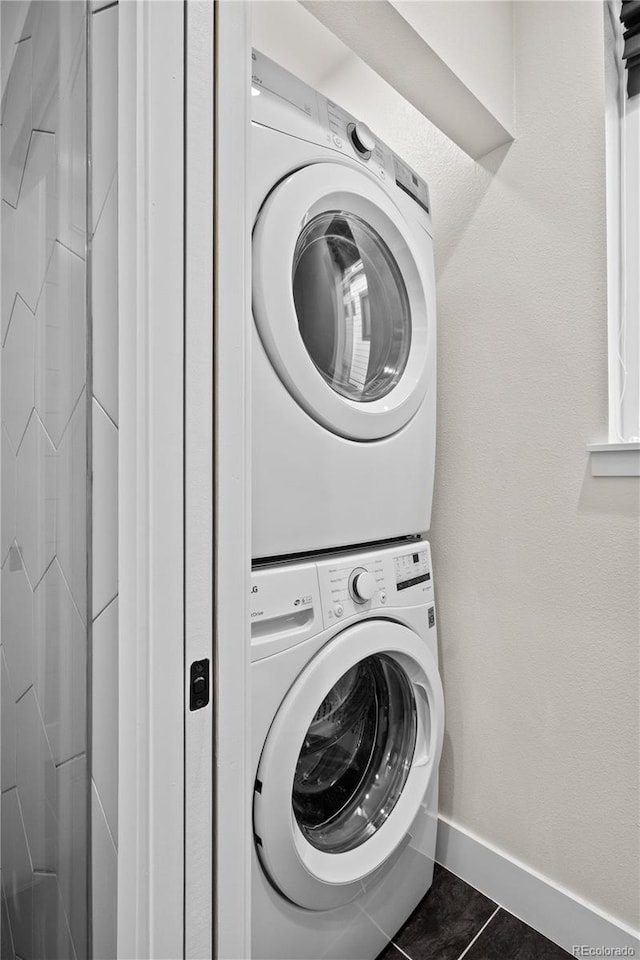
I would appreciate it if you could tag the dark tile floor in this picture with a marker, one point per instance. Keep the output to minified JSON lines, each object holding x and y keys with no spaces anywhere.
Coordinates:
{"x":454,"y":920}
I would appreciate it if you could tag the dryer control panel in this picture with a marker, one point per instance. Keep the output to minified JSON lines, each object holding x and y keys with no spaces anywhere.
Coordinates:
{"x":395,"y":576}
{"x":283,"y":102}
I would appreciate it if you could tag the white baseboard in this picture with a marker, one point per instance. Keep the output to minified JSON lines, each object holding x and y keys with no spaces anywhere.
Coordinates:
{"x":537,"y":901}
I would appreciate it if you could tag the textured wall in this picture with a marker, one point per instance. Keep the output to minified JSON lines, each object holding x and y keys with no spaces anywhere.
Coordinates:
{"x":536,"y":562}
{"x":456,"y":31}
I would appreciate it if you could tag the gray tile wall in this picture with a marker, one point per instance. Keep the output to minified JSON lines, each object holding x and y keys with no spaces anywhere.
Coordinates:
{"x":50,"y":782}
{"x":104,"y":308}
{"x":43,"y":537}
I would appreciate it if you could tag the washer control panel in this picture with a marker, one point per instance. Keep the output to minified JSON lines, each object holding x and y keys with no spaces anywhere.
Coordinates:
{"x":412,"y":568}
{"x":395,"y":576}
{"x":284,"y":604}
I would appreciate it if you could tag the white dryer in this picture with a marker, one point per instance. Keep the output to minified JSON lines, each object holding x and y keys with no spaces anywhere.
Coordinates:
{"x":344,"y":345}
{"x":347,"y":729}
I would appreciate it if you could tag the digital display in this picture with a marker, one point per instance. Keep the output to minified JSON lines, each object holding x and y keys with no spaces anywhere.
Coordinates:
{"x":412,"y":582}
{"x":411,"y":184}
{"x":411,"y":569}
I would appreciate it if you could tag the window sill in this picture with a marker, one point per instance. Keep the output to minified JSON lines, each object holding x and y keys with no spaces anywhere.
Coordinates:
{"x":615,"y":459}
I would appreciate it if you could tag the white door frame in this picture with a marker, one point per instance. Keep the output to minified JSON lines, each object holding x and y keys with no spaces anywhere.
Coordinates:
{"x":183,"y":881}
{"x":218,"y":834}
{"x":150,"y":488}
{"x":233,"y":787}
{"x":199,"y":461}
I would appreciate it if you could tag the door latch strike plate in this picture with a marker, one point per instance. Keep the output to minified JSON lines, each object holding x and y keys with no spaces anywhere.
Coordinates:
{"x":199,"y":685}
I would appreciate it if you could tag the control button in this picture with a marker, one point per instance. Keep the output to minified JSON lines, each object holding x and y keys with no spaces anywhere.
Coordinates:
{"x":338,"y":609}
{"x":363,"y":585}
{"x":337,"y":141}
{"x":362,"y":138}
{"x":382,"y":597}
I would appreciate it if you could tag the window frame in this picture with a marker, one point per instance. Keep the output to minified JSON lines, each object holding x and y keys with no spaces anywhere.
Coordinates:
{"x":621,"y":454}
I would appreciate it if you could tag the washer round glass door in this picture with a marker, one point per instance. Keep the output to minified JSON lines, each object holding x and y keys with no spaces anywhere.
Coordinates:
{"x":347,"y":762}
{"x":356,"y":755}
{"x":341,"y":297}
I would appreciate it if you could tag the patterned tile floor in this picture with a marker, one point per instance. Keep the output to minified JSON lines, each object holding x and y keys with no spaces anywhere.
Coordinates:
{"x":454,"y":921}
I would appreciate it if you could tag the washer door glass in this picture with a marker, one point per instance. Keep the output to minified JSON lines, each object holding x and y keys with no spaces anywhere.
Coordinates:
{"x":356,"y":756}
{"x":352,"y":305}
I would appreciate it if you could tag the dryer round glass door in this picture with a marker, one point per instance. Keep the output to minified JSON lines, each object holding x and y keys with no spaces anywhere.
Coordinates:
{"x":352,"y":305}
{"x":347,"y":763}
{"x":343,"y":300}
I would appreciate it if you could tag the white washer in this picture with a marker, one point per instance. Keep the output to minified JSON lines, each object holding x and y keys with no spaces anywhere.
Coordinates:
{"x":347,"y":728}
{"x":344,"y":344}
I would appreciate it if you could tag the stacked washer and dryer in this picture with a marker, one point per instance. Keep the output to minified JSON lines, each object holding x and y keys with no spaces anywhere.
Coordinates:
{"x":348,"y":714}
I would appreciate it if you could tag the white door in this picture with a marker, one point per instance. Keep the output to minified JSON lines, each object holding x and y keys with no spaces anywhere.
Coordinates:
{"x":340,"y":300}
{"x":347,"y":763}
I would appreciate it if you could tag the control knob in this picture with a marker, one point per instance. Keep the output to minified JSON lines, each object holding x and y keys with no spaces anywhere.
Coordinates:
{"x":362,"y":138}
{"x":363,"y":585}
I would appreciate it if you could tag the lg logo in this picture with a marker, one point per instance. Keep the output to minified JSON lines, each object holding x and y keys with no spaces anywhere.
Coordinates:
{"x":254,"y":589}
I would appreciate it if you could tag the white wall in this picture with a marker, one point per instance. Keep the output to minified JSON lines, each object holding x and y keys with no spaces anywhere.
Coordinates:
{"x":475,"y":39}
{"x":290,"y":35}
{"x":536,"y":562}
{"x":540,"y":639}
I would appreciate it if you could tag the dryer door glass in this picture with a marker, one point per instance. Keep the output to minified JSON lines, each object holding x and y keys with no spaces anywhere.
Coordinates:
{"x":352,"y":305}
{"x":356,"y":755}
